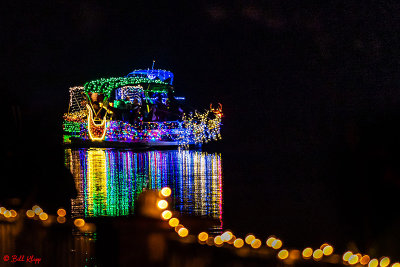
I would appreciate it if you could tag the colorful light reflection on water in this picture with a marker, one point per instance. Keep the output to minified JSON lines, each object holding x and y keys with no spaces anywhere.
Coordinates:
{"x":110,"y":180}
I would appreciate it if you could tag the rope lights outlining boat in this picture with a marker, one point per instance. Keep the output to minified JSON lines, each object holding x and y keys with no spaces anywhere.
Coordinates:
{"x":139,"y":109}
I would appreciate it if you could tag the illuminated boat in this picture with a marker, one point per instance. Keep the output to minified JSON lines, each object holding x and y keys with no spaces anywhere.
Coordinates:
{"x":140,"y":110}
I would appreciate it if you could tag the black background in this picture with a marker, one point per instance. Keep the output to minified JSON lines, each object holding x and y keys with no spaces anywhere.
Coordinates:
{"x":310,"y":93}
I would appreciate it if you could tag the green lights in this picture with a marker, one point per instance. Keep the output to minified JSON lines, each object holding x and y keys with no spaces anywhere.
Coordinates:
{"x":106,"y":85}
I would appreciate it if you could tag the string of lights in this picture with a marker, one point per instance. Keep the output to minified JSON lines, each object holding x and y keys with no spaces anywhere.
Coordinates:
{"x":325,"y":253}
{"x":107,"y":85}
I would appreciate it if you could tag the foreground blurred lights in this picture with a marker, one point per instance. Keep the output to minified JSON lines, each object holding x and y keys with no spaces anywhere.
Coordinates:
{"x":347,"y":255}
{"x":364,"y":259}
{"x":79,"y":222}
{"x":203,"y":236}
{"x":385,"y":261}
{"x":277,"y":244}
{"x":173,"y":222}
{"x":7,"y":214}
{"x":283,"y":254}
{"x":43,"y":216}
{"x":166,"y":192}
{"x":30,"y":213}
{"x":256,"y":243}
{"x":38,"y":210}
{"x":2,"y":210}
{"x":353,"y":259}
{"x":183,"y":232}
{"x":327,"y":250}
{"x":61,"y":212}
{"x":162,"y":204}
{"x":226,"y":236}
{"x":249,"y":239}
{"x":396,"y":264}
{"x":307,"y":252}
{"x":61,"y":219}
{"x":318,"y":254}
{"x":373,"y":263}
{"x":218,"y":240}
{"x":238,"y":243}
{"x":166,"y":214}
{"x":270,"y":240}
{"x":13,"y":213}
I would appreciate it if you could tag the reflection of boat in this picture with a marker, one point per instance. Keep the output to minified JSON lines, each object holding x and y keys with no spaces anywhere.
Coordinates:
{"x":138,"y":110}
{"x":109,"y":181}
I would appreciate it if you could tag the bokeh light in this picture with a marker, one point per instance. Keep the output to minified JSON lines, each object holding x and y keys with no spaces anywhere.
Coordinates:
{"x":276,"y":244}
{"x":30,"y":213}
{"x":373,"y":263}
{"x":203,"y":236}
{"x":166,"y":214}
{"x":166,"y":192}
{"x":173,"y":222}
{"x":238,"y":243}
{"x":307,"y":253}
{"x":183,"y":232}
{"x":249,"y":238}
{"x":364,"y":259}
{"x":79,"y":222}
{"x":162,"y":204}
{"x":256,"y":243}
{"x":283,"y":254}
{"x":385,"y":261}
{"x":61,"y":212}
{"x":318,"y":254}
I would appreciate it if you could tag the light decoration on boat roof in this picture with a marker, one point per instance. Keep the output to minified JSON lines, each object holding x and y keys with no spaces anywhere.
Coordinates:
{"x":163,"y":75}
{"x":107,"y":85}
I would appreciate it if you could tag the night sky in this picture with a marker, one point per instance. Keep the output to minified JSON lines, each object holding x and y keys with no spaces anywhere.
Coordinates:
{"x":310,"y":94}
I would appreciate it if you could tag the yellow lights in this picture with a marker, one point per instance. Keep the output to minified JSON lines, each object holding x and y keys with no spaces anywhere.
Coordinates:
{"x":79,"y":222}
{"x":30,"y":213}
{"x":61,"y":219}
{"x":249,"y":239}
{"x":276,"y":244}
{"x":173,"y":222}
{"x":256,"y":243}
{"x":385,"y":261}
{"x":226,"y":236}
{"x":7,"y":214}
{"x":13,"y":213}
{"x":162,"y":204}
{"x":183,"y":232}
{"x":238,"y":243}
{"x":373,"y":263}
{"x":396,"y":264}
{"x":2,"y":210}
{"x":165,"y":192}
{"x":43,"y":216}
{"x":61,"y":212}
{"x":166,"y":214}
{"x":270,"y":240}
{"x":327,"y":250}
{"x":218,"y":240}
{"x":283,"y":254}
{"x":203,"y":236}
{"x":347,"y":255}
{"x":364,"y":259}
{"x":353,"y":259}
{"x":307,"y":253}
{"x":317,"y":255}
{"x":91,"y":124}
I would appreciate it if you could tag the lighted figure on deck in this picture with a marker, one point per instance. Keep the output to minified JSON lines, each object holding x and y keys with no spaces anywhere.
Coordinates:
{"x":140,"y":109}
